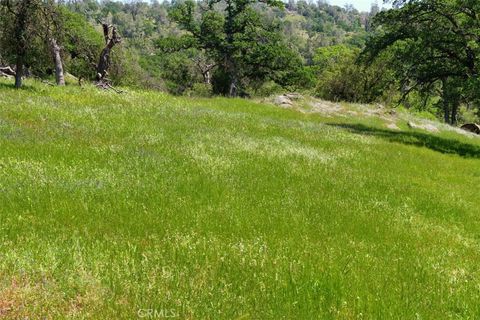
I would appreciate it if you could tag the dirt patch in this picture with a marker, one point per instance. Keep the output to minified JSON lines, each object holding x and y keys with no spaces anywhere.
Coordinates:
{"x":326,"y":108}
{"x":10,"y":299}
{"x":423,"y":126}
{"x":393,"y":126}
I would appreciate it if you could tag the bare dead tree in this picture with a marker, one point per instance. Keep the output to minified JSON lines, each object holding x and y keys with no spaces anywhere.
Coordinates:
{"x":51,"y":25}
{"x":111,"y":39}
{"x":107,"y":86}
{"x":57,"y":59}
{"x":205,"y":68}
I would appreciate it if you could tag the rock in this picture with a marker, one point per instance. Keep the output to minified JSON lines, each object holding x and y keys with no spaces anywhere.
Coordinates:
{"x":70,"y":78}
{"x":427,"y":126}
{"x":294,"y":96}
{"x":471,"y":127}
{"x":283,"y":101}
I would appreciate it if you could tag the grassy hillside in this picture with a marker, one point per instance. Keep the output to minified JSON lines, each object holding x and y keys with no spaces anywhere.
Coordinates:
{"x":229,"y":209}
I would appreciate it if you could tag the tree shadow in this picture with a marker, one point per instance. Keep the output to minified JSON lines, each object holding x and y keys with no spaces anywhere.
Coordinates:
{"x":443,"y":145}
{"x":11,"y":86}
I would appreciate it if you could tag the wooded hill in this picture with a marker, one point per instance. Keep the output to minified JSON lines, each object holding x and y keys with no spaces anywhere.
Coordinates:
{"x":251,"y":48}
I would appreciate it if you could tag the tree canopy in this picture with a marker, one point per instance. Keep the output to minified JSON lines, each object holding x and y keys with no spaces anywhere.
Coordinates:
{"x":243,"y":46}
{"x":434,"y":44}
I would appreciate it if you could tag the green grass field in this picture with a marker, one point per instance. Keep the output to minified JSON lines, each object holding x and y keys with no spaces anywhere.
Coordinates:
{"x":144,"y":205}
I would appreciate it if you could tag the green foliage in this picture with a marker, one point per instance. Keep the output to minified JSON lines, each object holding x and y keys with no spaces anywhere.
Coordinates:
{"x":264,"y":42}
{"x":175,"y":44}
{"x":279,"y":43}
{"x":177,"y":69}
{"x":468,"y":114}
{"x":432,"y":42}
{"x":82,"y":44}
{"x":246,"y":48}
{"x":23,"y":29}
{"x":327,"y":57}
{"x":263,"y":60}
{"x":203,"y":90}
{"x":125,"y":69}
{"x":341,"y":78}
{"x":268,"y":89}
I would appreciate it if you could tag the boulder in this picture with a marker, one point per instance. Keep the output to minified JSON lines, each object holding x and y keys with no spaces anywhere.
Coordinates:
{"x":70,"y":78}
{"x":294,"y":96}
{"x":283,"y":101}
{"x":471,"y":127}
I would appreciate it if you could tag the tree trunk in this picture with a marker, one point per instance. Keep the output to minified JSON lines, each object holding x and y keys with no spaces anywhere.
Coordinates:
{"x":207,"y":78}
{"x":205,"y":69}
{"x":19,"y":72}
{"x":233,"y":88}
{"x":22,"y":19}
{"x":57,"y":59}
{"x":103,"y":64}
{"x":446,"y":111}
{"x":110,"y":41}
{"x":230,"y":64}
{"x":453,"y":118}
{"x":445,"y":101}
{"x":232,"y":76}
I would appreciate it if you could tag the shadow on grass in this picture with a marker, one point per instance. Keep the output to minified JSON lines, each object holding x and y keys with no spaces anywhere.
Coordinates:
{"x":443,"y":145}
{"x":11,"y":86}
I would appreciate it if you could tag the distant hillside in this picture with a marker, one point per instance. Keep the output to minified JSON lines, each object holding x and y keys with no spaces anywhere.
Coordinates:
{"x":307,"y":26}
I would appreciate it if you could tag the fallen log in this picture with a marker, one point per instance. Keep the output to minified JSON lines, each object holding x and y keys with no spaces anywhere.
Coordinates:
{"x":4,"y":75}
{"x":106,"y":85}
{"x":471,"y":127}
{"x":7,"y":71}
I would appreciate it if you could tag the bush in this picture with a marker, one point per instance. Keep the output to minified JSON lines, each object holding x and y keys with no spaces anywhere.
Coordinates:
{"x":200,"y":90}
{"x":125,"y":69}
{"x":341,"y":78}
{"x":467,"y":115}
{"x":268,"y":89}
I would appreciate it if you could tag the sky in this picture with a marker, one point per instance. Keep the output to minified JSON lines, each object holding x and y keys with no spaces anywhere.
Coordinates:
{"x":362,"y":5}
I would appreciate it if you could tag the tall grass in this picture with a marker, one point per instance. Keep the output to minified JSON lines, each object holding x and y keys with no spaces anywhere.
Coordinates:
{"x":144,"y":205}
